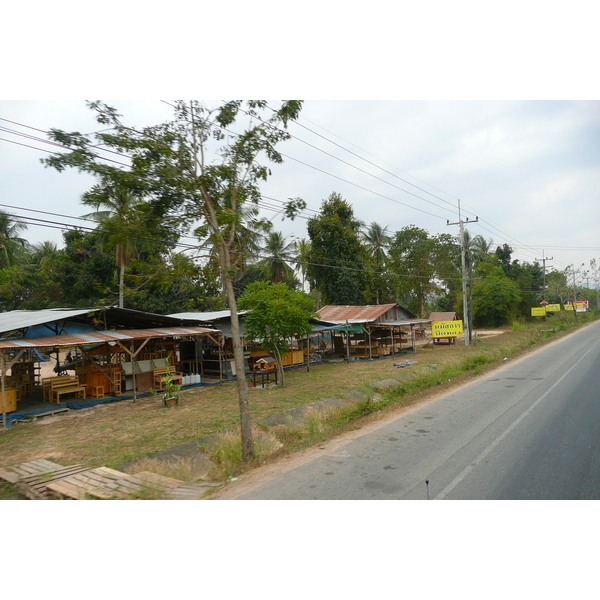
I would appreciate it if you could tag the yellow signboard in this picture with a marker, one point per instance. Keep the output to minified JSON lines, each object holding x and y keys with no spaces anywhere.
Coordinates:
{"x":538,"y":311}
{"x":553,"y":308}
{"x":446,"y":328}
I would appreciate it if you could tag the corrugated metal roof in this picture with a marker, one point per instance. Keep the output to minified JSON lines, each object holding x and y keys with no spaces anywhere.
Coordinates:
{"x":99,"y":337}
{"x":207,"y":316}
{"x":79,"y":318}
{"x":354,"y":314}
{"x":442,"y":316}
{"x":20,"y":319}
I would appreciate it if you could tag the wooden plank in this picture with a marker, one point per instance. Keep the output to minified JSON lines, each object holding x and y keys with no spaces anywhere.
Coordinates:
{"x":66,"y":489}
{"x":52,"y":475}
{"x":39,"y":466}
{"x":9,"y":475}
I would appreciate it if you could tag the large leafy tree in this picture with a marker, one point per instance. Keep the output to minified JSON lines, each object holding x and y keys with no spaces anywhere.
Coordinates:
{"x":337,"y":260}
{"x":84,"y":270}
{"x":277,"y":314}
{"x":188,"y":168}
{"x":423,"y":265}
{"x":496,"y":298}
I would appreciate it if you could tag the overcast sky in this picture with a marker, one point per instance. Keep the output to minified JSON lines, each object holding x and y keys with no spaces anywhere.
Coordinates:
{"x":530,"y":170}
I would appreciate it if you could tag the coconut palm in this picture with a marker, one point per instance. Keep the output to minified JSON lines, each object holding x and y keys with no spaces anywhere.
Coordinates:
{"x":303,"y":251}
{"x":277,"y":252}
{"x":12,"y":246}
{"x":120,"y":223}
{"x":43,"y":253}
{"x":377,"y":241}
{"x":480,"y":247}
{"x":248,"y":237}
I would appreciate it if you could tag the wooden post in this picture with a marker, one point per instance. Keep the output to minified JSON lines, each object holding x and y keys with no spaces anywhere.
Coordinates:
{"x":307,"y":353}
{"x":347,"y":344}
{"x":2,"y":363}
{"x":221,"y":360}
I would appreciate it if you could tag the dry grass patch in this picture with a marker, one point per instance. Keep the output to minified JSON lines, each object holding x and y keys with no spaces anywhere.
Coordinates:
{"x":179,"y":468}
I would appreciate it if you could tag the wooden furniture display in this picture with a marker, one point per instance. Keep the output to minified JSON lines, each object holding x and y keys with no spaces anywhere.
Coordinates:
{"x":10,"y":395}
{"x":95,"y":391}
{"x":293,"y":357}
{"x":55,"y":387}
{"x":162,"y":372}
{"x":108,"y":378}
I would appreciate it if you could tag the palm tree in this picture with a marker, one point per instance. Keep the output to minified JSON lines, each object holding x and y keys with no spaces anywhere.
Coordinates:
{"x":480,"y":248}
{"x":377,"y":241}
{"x":43,"y":253}
{"x":277,"y":253}
{"x":12,"y":246}
{"x":248,"y":236}
{"x":120,"y":223}
{"x":303,"y":251}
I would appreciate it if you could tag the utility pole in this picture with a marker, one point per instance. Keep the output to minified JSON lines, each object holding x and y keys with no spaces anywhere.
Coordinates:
{"x":463,"y":260}
{"x":544,"y":259}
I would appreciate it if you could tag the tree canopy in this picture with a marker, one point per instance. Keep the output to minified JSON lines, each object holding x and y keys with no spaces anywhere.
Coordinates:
{"x":276,"y":315}
{"x":337,"y":255}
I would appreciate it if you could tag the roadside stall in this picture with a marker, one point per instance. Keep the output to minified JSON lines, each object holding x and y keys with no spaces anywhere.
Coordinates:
{"x":108,"y":362}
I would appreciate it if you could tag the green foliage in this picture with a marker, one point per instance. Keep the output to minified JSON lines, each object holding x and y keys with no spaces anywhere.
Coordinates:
{"x":277,"y":314}
{"x":496,"y":298}
{"x":337,"y":257}
{"x":420,"y":262}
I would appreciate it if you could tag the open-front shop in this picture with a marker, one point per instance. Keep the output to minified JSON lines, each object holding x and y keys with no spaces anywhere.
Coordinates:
{"x":56,"y":372}
{"x":371,"y":332}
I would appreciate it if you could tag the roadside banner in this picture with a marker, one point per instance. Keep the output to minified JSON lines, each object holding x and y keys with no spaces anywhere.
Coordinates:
{"x":553,"y":308}
{"x":446,"y":328}
{"x":538,"y":311}
{"x":579,"y":305}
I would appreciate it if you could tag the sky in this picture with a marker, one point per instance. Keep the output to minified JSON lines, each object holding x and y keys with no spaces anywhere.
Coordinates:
{"x":527,"y":170}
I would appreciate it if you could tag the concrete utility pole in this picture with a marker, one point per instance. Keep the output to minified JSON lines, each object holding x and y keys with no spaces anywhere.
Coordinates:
{"x":544,"y":259}
{"x":463,"y":259}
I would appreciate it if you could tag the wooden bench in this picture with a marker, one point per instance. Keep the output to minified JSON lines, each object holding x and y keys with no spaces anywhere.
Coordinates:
{"x":55,"y":387}
{"x":162,"y":372}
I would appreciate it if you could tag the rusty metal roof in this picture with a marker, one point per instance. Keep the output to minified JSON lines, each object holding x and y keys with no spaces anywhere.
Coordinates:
{"x":354,"y":314}
{"x":100,"y":337}
{"x":442,"y":316}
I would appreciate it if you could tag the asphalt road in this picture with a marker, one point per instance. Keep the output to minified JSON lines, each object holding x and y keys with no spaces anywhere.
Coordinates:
{"x":528,"y":430}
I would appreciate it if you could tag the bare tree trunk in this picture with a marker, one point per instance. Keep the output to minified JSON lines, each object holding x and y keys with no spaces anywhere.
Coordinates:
{"x":279,"y":367}
{"x":240,"y":371}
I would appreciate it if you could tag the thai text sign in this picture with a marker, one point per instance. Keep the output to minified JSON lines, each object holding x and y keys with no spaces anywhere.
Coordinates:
{"x":446,"y":328}
{"x":553,"y":308}
{"x":538,"y":311}
{"x":580,"y":305}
